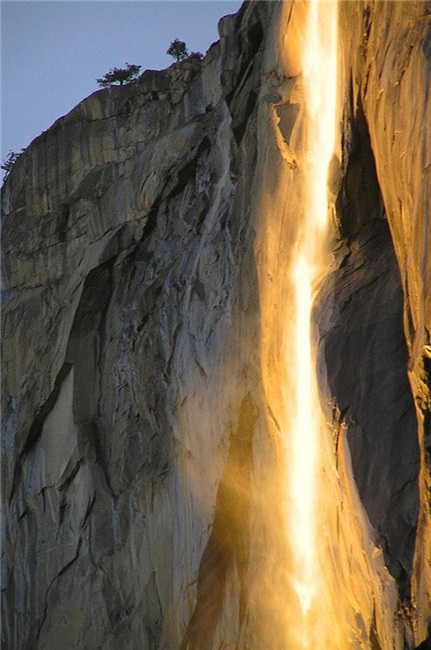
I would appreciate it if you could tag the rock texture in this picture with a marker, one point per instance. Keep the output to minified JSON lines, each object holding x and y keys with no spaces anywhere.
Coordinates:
{"x":147,"y":236}
{"x":387,"y":94}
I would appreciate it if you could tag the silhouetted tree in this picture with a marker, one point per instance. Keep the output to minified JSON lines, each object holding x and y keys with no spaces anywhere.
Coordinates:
{"x":10,"y":160}
{"x":177,"y":50}
{"x":119,"y":75}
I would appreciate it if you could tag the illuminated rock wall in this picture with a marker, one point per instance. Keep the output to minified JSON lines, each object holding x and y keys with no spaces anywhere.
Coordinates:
{"x":147,"y":242}
{"x":386,"y":151}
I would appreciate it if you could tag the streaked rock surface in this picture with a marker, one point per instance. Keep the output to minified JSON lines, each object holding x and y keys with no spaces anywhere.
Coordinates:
{"x":145,"y":244}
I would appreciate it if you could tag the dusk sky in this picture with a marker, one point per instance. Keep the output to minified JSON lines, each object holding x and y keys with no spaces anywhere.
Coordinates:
{"x":53,"y":51}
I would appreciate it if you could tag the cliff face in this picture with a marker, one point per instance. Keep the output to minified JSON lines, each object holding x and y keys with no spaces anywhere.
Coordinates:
{"x":147,"y":238}
{"x":387,"y":92}
{"x":385,"y":169}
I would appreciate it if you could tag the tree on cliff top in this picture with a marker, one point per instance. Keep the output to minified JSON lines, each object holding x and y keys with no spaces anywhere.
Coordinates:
{"x":177,"y":50}
{"x":10,"y":160}
{"x":119,"y":75}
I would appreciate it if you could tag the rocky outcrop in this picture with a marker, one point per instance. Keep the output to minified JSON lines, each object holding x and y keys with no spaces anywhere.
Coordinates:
{"x":147,"y":239}
{"x":386,"y":95}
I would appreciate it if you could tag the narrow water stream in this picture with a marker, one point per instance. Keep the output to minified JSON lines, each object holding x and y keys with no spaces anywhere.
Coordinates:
{"x":319,"y":64}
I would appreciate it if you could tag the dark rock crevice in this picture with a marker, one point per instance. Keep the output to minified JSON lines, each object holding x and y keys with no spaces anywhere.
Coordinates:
{"x":359,"y":200}
{"x":187,"y":171}
{"x":37,"y":426}
{"x":366,"y":356}
{"x":44,"y":410}
{"x":86,"y":340}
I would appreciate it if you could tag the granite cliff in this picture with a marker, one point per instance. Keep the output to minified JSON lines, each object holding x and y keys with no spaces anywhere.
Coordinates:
{"x":147,"y":237}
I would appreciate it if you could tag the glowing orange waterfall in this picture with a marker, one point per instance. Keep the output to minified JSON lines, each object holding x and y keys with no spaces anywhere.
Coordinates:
{"x":319,"y":65}
{"x":324,"y":576}
{"x":340,"y":592}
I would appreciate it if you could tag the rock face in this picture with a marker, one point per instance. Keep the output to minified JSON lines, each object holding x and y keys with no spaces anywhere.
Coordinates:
{"x":147,"y":237}
{"x":386,"y":95}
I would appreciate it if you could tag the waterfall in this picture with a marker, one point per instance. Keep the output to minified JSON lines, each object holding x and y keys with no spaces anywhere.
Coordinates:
{"x":303,"y":435}
{"x":340,"y":593}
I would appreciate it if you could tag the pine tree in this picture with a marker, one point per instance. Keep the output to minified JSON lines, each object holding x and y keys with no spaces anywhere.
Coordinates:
{"x":177,"y":50}
{"x":119,"y":75}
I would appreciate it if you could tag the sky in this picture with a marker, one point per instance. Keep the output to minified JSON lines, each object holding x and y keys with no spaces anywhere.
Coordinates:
{"x":52,"y":51}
